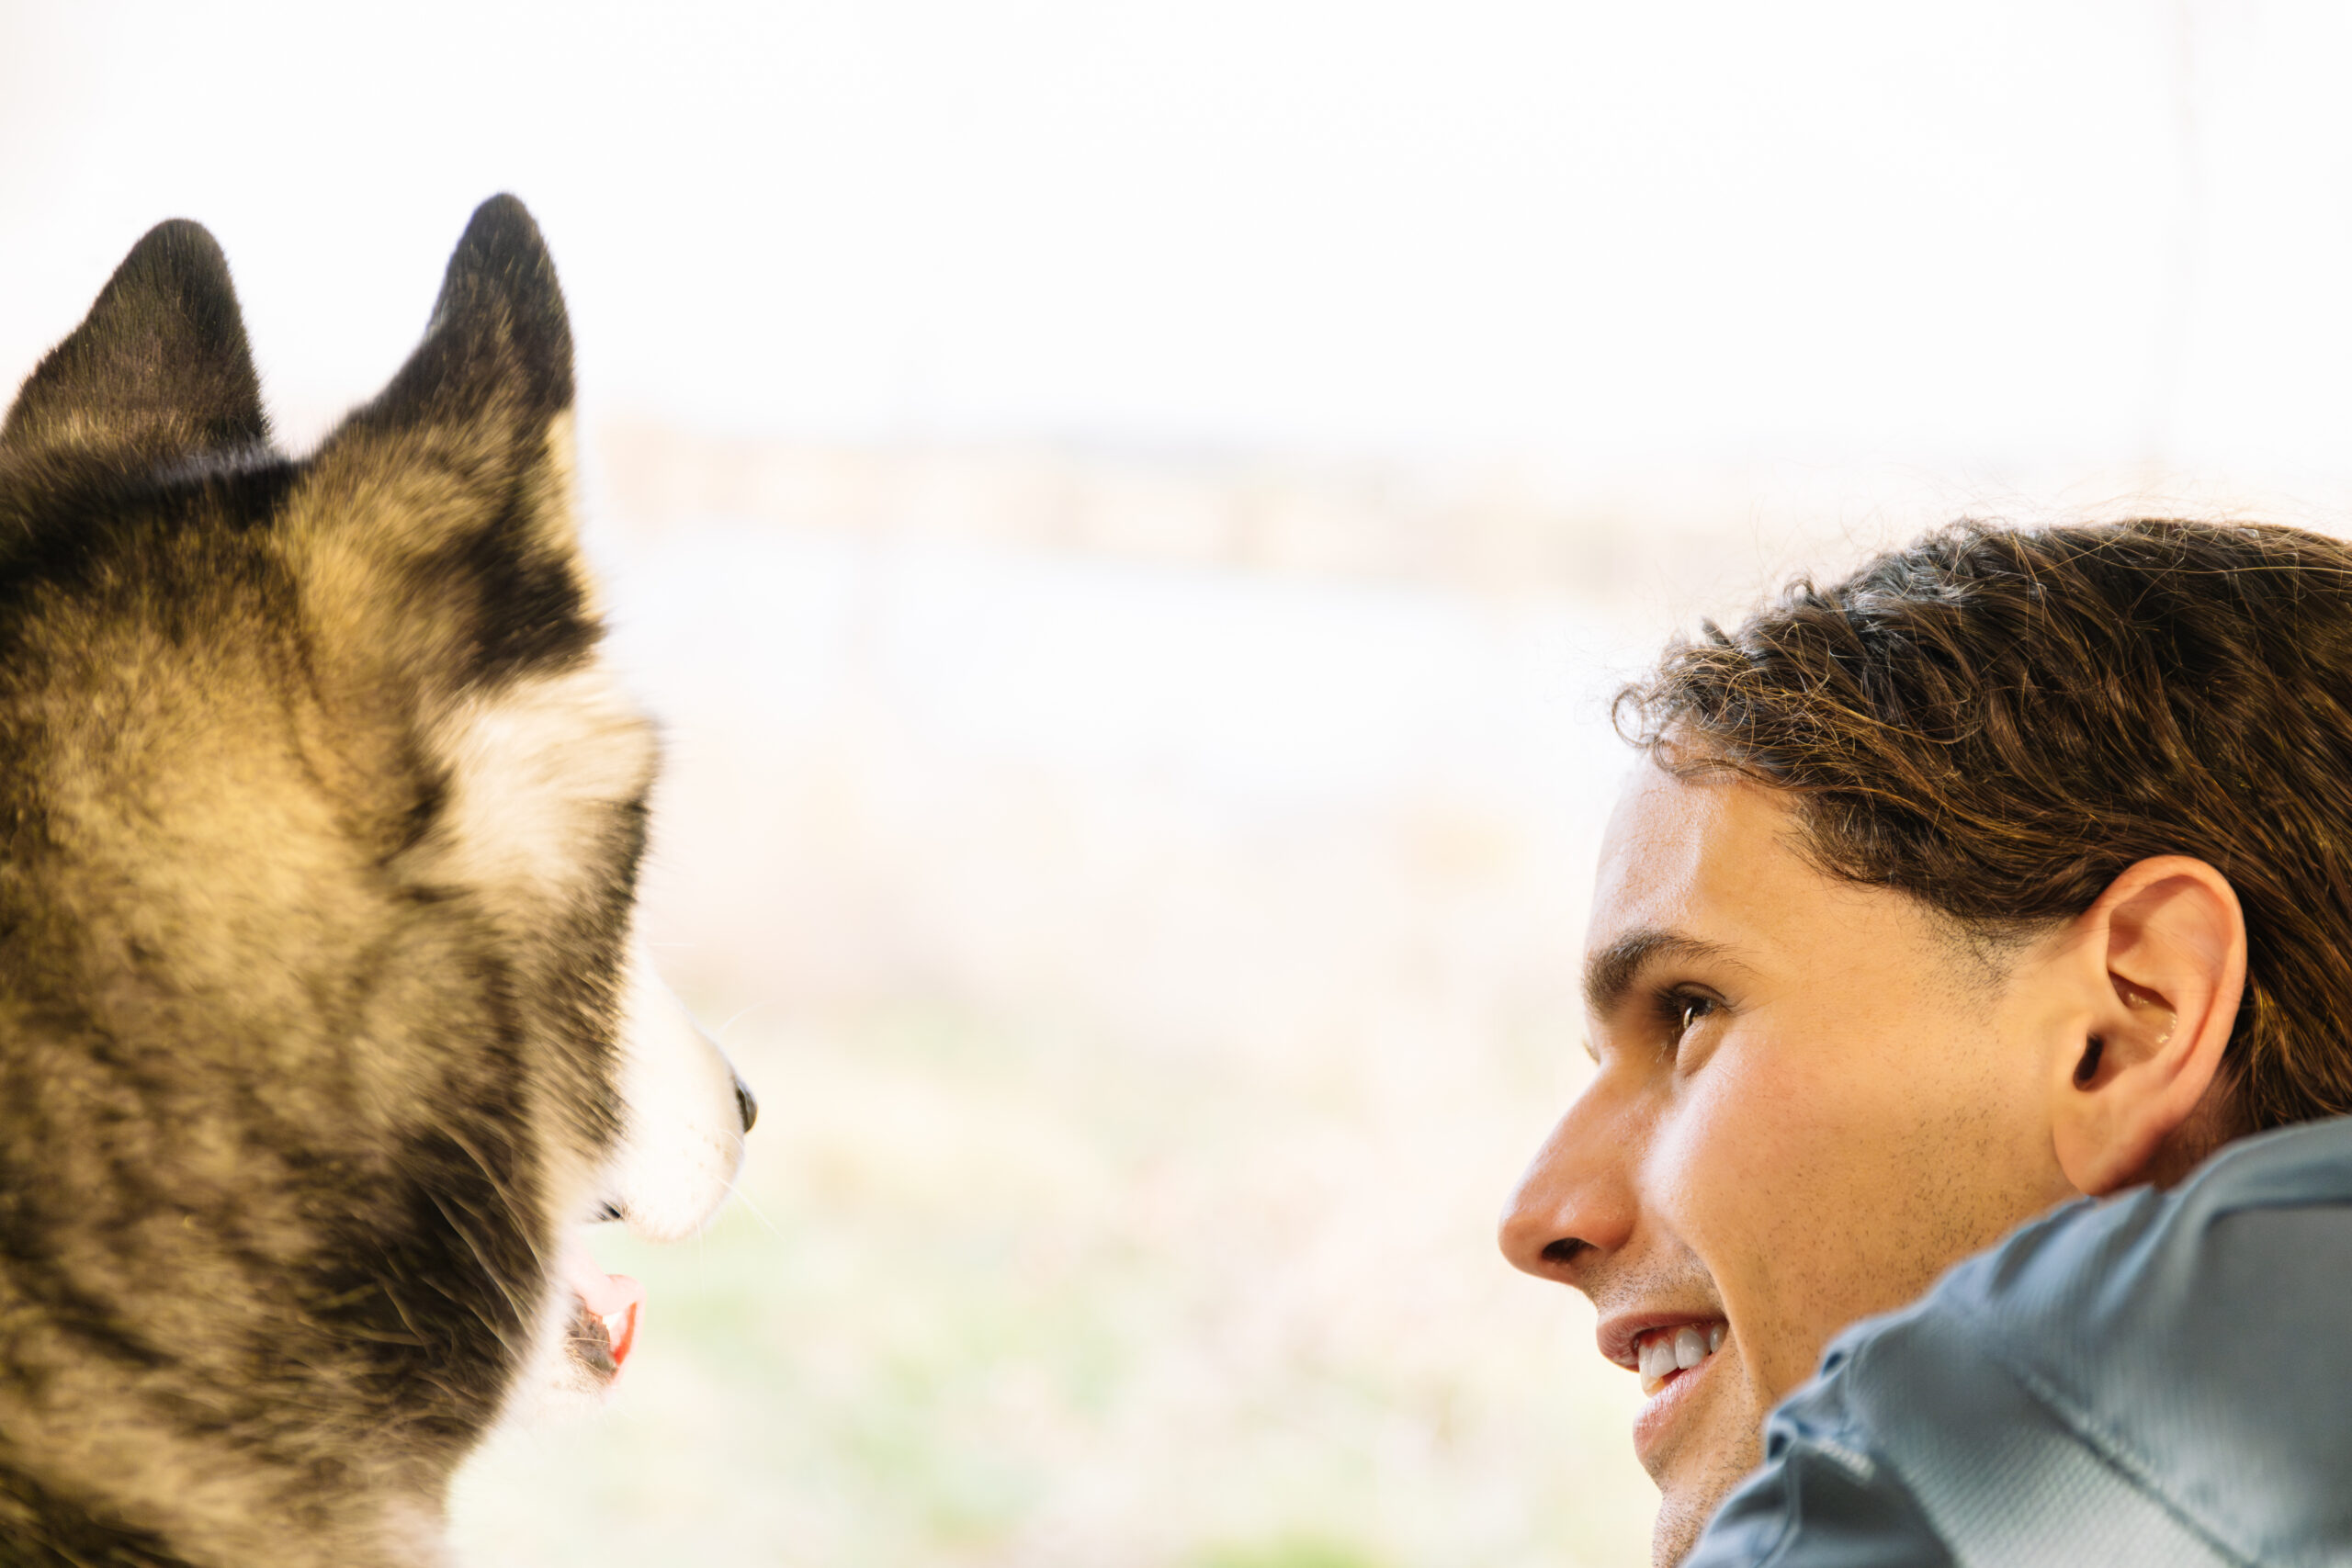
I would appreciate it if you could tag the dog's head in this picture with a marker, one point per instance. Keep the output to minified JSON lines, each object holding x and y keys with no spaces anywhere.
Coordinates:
{"x":322,"y":1021}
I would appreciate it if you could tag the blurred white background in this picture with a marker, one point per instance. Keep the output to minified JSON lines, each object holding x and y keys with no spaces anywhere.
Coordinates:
{"x":1132,"y":514}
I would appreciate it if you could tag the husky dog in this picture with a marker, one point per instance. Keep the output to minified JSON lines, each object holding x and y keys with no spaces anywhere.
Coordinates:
{"x":323,"y":1028}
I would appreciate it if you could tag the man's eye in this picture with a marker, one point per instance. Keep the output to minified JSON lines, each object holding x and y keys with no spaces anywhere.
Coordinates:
{"x":1688,"y":1010}
{"x":1677,"y":1012}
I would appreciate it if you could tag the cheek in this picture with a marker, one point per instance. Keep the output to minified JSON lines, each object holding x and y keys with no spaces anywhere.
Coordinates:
{"x":1735,"y":1168}
{"x":1817,"y":1186}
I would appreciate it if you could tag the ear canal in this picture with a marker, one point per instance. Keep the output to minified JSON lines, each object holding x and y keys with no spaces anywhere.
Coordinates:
{"x":2088,"y":1068}
{"x":159,"y":370}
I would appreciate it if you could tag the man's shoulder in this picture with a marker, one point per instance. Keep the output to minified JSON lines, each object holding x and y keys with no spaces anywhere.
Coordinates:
{"x":2157,"y":1368}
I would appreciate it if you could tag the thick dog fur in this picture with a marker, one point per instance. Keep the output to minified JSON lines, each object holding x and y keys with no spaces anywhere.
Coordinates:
{"x":321,"y":1023}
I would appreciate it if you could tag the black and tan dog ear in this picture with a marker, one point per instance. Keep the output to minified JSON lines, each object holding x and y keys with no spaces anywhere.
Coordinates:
{"x":435,"y":532}
{"x":469,"y":447}
{"x":159,"y":370}
{"x":498,"y":348}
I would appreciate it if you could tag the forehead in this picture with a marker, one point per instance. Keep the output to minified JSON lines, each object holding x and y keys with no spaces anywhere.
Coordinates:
{"x":1712,"y":857}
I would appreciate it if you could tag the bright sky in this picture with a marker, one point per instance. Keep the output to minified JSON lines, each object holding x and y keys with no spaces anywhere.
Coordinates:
{"x":1603,"y":237}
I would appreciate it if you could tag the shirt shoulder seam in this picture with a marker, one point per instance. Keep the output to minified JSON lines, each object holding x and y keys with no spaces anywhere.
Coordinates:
{"x":2111,"y":1446}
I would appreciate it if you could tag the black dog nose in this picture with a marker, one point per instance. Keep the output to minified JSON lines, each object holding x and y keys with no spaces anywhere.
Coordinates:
{"x":746,"y":1104}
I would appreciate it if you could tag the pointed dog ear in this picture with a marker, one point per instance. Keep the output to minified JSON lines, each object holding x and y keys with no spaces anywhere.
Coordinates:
{"x":499,"y":346}
{"x":158,"y":371}
{"x":434,"y":531}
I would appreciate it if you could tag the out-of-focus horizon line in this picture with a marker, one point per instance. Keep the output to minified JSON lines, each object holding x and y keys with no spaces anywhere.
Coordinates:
{"x":1672,"y":538}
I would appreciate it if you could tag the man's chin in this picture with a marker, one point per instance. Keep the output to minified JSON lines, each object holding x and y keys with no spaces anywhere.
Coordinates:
{"x":1682,"y":1516}
{"x":1700,"y":1473}
{"x":1684,"y":1509}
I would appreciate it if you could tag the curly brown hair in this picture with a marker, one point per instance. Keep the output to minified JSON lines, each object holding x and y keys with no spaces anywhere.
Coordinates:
{"x":1998,"y":720}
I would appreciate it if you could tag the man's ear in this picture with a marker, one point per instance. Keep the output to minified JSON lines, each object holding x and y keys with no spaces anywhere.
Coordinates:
{"x":159,"y":370}
{"x":433,"y":536}
{"x":2160,"y":967}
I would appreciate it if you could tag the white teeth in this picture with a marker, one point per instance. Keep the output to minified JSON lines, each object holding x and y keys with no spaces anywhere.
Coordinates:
{"x":1658,"y":1354}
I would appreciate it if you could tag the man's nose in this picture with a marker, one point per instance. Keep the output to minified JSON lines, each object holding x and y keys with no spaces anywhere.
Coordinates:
{"x":1576,"y":1203}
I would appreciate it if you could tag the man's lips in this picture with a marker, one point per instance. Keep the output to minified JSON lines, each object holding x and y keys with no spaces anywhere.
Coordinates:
{"x":1657,"y":1417}
{"x":1619,"y":1336}
{"x":1663,"y":1352}
{"x":1672,"y":1352}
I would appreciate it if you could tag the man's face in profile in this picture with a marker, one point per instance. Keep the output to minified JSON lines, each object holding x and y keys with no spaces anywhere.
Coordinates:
{"x":1810,"y":1099}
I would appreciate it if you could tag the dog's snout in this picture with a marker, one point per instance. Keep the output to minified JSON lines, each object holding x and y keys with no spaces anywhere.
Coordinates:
{"x":746,"y":1104}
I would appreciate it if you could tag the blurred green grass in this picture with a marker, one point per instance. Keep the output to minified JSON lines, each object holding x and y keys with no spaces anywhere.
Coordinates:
{"x":989,"y":1298}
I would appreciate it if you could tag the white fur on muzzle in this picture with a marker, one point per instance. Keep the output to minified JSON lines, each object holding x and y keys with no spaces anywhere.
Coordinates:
{"x":682,"y":1114}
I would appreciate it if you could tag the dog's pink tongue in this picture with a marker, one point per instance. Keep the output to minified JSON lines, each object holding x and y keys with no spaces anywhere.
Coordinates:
{"x":616,"y":1298}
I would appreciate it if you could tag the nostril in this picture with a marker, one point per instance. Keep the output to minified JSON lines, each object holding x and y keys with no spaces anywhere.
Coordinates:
{"x":746,"y":1104}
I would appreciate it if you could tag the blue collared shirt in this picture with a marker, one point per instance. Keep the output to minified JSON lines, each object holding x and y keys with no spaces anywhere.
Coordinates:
{"x":2157,"y":1379}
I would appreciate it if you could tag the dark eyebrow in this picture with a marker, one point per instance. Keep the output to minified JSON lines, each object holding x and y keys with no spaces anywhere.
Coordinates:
{"x":1611,"y":973}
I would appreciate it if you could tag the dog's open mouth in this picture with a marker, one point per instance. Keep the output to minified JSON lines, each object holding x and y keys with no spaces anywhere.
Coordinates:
{"x":604,"y":1326}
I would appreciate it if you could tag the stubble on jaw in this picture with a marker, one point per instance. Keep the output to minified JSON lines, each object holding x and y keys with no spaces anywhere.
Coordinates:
{"x":1712,"y":1464}
{"x":1683,"y":1512}
{"x":1705,"y":1468}
{"x":1905,"y":1253}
